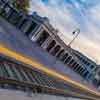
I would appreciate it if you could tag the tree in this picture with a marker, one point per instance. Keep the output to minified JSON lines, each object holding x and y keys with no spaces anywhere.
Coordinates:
{"x":21,"y":5}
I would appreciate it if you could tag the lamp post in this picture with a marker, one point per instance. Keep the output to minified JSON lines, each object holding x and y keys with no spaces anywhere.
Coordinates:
{"x":77,"y":32}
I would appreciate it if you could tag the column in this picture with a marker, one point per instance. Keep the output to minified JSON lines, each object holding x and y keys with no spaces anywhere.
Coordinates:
{"x":37,"y":33}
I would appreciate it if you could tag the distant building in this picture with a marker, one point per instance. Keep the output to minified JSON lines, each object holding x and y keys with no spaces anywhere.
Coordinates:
{"x":89,"y":65}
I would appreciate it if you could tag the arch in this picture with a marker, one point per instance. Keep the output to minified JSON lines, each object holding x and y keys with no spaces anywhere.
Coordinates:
{"x":64,"y":57}
{"x":60,"y":53}
{"x":44,"y":35}
{"x":68,"y":59}
{"x":51,"y":45}
{"x":71,"y":62}
{"x":74,"y":64}
{"x":79,"y":69}
{"x":56,"y":49}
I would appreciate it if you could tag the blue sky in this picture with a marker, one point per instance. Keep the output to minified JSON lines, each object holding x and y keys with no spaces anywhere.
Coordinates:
{"x":67,"y":15}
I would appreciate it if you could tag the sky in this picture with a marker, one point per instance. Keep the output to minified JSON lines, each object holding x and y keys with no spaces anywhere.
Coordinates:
{"x":67,"y":16}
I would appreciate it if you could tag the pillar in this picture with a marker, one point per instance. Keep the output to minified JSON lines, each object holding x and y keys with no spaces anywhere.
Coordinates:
{"x":35,"y":35}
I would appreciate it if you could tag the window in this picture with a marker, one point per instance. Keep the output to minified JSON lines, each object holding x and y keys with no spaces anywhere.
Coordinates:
{"x":31,"y":28}
{"x":51,"y":45}
{"x":71,"y":62}
{"x":60,"y":53}
{"x":42,"y":38}
{"x":68,"y":59}
{"x":91,"y":66}
{"x":56,"y":49}
{"x":86,"y":73}
{"x":88,"y":64}
{"x":64,"y":57}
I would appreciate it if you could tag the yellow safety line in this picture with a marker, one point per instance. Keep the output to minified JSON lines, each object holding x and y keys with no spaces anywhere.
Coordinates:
{"x":35,"y":64}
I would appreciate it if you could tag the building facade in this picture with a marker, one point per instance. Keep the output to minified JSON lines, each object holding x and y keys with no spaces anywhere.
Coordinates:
{"x":88,"y":63}
{"x":24,"y":68}
{"x":40,"y":31}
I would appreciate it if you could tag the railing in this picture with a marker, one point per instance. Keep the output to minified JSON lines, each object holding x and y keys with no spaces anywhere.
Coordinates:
{"x":34,"y":88}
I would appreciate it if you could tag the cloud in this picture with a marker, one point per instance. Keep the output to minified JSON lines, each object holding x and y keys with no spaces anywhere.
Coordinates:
{"x":67,"y":15}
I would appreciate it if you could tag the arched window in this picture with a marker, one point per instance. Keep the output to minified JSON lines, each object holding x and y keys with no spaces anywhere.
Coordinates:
{"x":71,"y":62}
{"x":74,"y":65}
{"x":51,"y":45}
{"x":56,"y":49}
{"x":76,"y":68}
{"x":42,"y":38}
{"x":60,"y":53}
{"x":64,"y":57}
{"x":68,"y":59}
{"x":80,"y":69}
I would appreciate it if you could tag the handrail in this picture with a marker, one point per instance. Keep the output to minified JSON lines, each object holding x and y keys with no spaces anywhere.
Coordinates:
{"x":44,"y":89}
